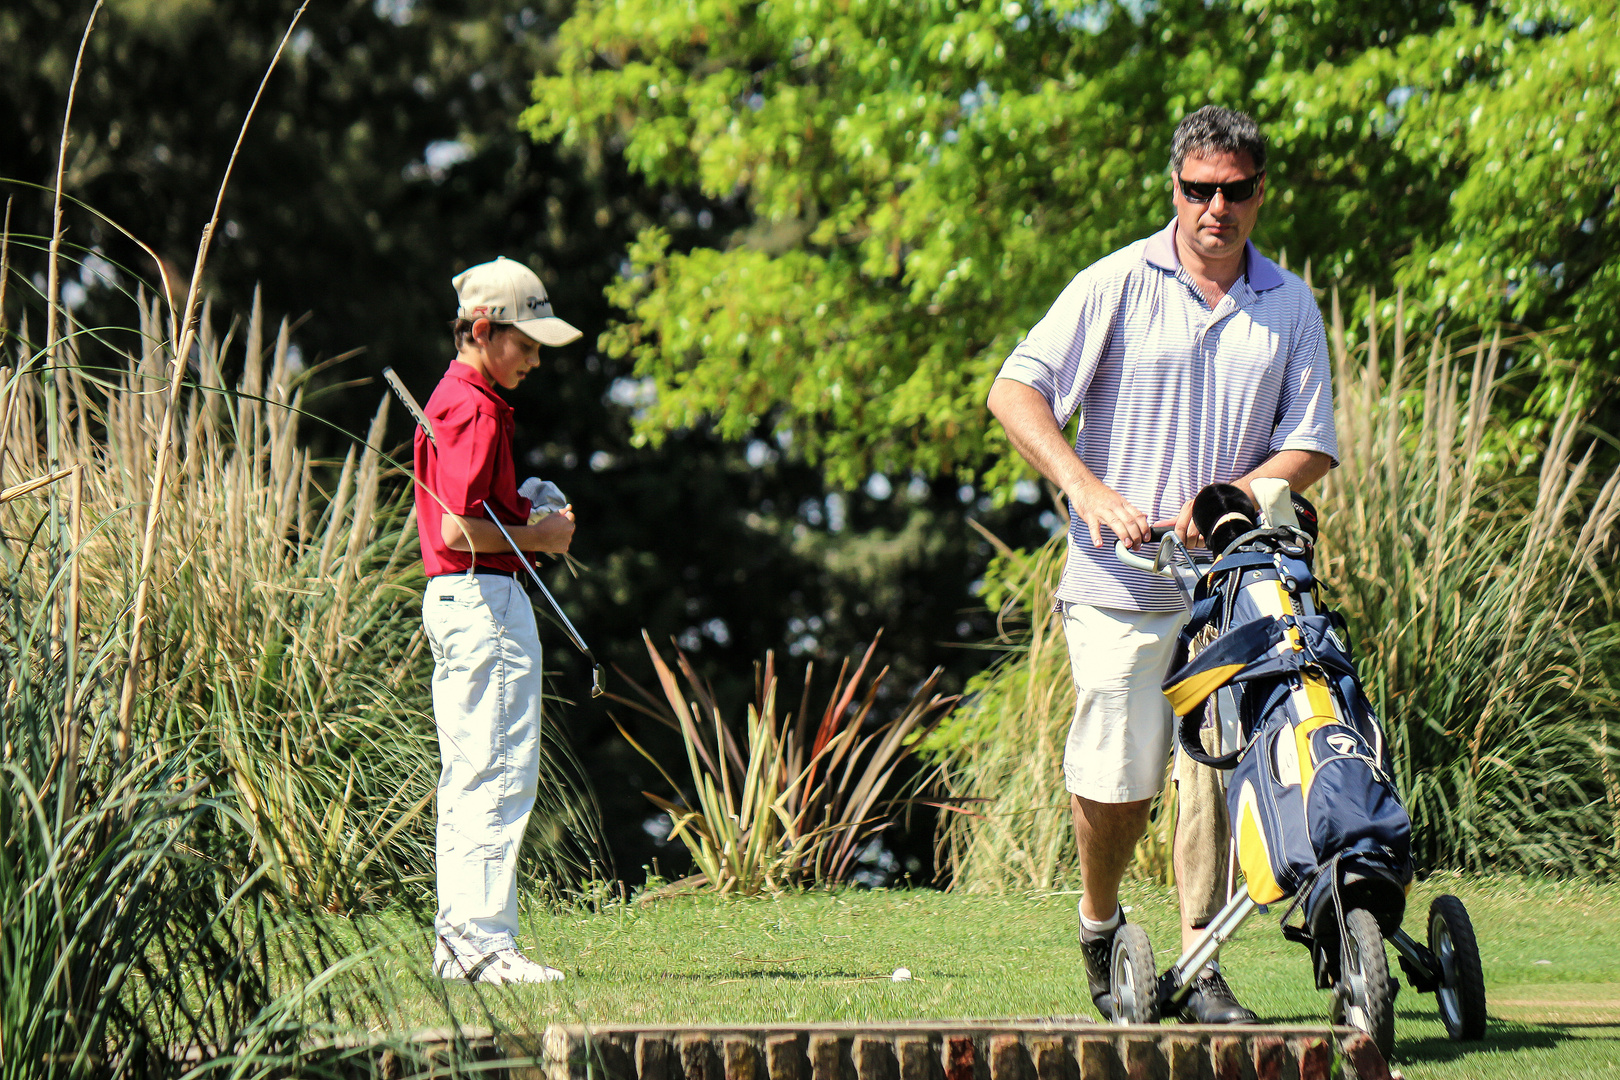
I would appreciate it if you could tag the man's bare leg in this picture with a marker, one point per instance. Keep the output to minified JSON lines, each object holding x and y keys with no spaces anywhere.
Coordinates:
{"x":1106,"y":835}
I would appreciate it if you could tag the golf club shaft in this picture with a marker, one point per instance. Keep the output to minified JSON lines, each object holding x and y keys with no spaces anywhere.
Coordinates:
{"x":534,"y":575}
{"x":541,"y":585}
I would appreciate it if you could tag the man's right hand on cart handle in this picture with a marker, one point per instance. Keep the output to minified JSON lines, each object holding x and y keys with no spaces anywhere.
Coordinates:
{"x":1099,"y":505}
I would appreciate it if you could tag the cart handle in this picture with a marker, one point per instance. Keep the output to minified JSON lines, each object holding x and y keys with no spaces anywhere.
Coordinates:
{"x":1143,"y":562}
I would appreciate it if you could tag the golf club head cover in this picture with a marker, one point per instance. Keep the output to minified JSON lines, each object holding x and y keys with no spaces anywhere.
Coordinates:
{"x":1223,"y":513}
{"x":544,"y":497}
{"x":1271,"y":497}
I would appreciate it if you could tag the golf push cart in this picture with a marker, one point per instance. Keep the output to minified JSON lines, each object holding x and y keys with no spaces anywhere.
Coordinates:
{"x":1314,"y":813}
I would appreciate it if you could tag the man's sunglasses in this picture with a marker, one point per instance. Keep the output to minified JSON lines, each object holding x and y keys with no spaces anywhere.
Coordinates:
{"x":1235,"y":191}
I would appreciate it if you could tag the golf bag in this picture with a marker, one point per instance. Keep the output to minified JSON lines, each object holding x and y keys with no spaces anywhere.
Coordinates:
{"x":1312,"y":803}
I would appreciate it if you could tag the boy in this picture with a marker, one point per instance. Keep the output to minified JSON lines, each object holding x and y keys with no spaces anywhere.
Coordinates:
{"x":486,"y":652}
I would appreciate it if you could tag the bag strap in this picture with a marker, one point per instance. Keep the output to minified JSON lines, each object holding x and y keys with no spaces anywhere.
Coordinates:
{"x":1224,"y":660}
{"x":1204,"y":610}
{"x":1189,"y":732}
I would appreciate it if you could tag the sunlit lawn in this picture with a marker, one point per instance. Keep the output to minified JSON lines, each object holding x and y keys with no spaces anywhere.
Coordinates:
{"x":1551,"y":953}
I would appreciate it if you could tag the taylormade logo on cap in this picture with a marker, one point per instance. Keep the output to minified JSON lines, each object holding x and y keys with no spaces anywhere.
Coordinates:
{"x":506,"y":291}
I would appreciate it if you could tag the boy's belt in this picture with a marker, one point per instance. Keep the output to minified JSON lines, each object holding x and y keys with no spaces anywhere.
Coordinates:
{"x":516,"y":575}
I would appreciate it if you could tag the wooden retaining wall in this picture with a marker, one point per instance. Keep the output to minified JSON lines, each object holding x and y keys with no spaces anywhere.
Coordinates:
{"x":919,"y":1051}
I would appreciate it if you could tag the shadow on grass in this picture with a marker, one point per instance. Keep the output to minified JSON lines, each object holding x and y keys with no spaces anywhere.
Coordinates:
{"x":1509,"y":1036}
{"x":743,"y":974}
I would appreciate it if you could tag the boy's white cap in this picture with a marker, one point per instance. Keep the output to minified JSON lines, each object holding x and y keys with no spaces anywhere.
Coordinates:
{"x":506,"y":291}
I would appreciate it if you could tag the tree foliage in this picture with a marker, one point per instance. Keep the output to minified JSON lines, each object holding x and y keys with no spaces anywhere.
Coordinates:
{"x":1483,"y":161}
{"x":924,"y":178}
{"x":381,"y":159}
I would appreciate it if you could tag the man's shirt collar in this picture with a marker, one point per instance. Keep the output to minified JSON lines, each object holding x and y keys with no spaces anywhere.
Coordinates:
{"x":1161,"y":252}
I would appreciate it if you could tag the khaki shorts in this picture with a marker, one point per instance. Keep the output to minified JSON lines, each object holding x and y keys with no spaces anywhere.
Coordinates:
{"x":1120,"y":739}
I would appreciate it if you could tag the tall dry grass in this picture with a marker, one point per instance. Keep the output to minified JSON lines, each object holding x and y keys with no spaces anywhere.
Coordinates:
{"x":210,"y":677}
{"x":165,"y":885}
{"x":1474,"y":569}
{"x":156,"y":920}
{"x":283,"y":652}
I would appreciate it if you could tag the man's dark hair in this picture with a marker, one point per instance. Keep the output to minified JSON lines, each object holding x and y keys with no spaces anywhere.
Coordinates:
{"x":462,"y":329}
{"x":1213,"y":129}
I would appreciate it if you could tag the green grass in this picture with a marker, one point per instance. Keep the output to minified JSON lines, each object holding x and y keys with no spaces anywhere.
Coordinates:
{"x":828,"y":956}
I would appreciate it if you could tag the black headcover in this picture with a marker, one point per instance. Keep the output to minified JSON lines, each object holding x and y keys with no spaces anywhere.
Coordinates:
{"x":1306,"y":514}
{"x":1223,"y":513}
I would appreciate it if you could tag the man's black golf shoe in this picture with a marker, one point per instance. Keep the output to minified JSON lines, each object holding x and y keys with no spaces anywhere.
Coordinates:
{"x":1212,"y":1002}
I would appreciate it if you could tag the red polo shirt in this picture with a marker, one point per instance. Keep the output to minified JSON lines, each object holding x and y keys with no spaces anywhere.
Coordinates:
{"x":472,"y":462}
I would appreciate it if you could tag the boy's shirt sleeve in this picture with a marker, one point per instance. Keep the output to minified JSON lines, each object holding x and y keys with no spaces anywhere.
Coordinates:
{"x":467,"y":448}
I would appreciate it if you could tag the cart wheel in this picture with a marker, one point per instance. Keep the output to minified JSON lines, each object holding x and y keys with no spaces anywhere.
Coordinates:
{"x":1461,"y":994}
{"x":1131,"y":978}
{"x":1365,"y":996}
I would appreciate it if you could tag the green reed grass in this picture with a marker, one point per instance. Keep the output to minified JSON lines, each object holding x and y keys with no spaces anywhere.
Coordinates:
{"x":1475,"y":573}
{"x":791,"y":800}
{"x":285,"y":655}
{"x":1473,"y":568}
{"x":128,"y":947}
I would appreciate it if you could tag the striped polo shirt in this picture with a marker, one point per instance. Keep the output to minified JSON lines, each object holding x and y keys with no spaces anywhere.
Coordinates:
{"x":1174,"y":394}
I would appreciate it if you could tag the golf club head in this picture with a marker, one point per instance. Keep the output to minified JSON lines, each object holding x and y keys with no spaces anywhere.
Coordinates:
{"x":597,"y":690}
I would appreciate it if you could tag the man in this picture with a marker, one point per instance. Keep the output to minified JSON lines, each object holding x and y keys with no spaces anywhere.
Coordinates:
{"x":486,"y":652}
{"x":1191,"y":359}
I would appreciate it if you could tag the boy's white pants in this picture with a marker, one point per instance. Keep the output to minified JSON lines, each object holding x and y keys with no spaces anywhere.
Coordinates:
{"x":486,"y":703}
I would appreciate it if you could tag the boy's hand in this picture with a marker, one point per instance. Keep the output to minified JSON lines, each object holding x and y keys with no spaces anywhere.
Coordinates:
{"x":555,"y":532}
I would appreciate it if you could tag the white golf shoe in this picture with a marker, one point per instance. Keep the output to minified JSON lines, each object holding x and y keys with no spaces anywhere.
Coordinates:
{"x":497,"y":968}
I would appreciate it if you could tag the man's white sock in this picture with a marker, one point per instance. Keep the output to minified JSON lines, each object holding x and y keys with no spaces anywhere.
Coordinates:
{"x":1093,"y":929}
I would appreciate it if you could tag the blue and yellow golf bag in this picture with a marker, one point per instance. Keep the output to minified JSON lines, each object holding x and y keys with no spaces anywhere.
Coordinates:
{"x":1312,"y":802}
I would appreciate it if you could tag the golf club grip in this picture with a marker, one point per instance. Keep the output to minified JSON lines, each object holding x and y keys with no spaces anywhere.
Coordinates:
{"x":410,"y":403}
